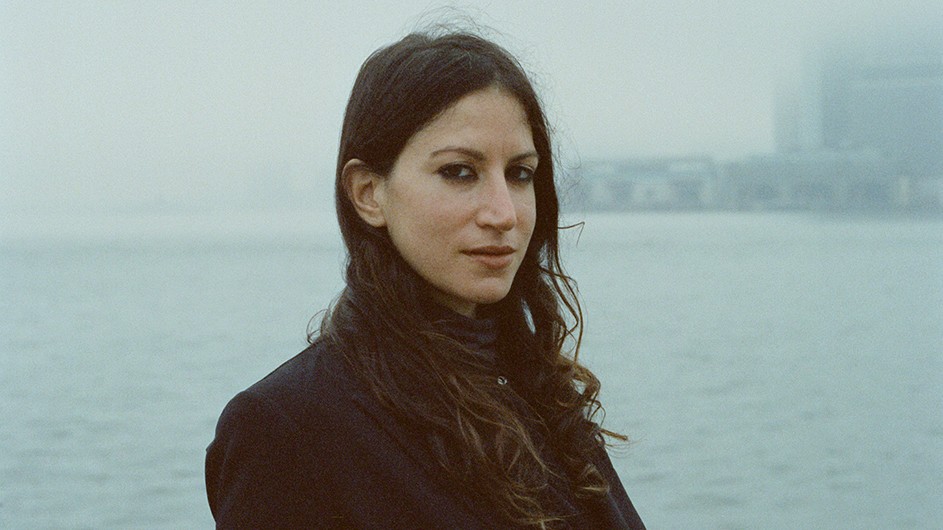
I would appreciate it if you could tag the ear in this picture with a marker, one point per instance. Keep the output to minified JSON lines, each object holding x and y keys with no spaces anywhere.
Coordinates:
{"x":365,"y":190}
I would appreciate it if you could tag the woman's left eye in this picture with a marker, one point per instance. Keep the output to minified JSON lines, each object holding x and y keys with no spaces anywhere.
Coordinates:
{"x":457,"y":172}
{"x":520,"y":174}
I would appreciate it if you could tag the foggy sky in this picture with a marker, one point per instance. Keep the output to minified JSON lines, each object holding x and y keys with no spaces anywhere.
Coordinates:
{"x":122,"y":105}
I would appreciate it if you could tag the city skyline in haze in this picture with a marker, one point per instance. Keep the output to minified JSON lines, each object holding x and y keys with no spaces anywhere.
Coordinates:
{"x":115,"y":107}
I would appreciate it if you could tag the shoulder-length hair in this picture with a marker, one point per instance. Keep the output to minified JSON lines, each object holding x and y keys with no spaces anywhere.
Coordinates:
{"x":426,"y":379}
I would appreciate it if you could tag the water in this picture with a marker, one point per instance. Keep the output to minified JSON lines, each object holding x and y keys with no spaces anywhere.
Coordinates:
{"x":773,"y":371}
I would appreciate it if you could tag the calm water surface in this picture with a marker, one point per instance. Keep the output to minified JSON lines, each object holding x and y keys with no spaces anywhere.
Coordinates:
{"x":773,"y":371}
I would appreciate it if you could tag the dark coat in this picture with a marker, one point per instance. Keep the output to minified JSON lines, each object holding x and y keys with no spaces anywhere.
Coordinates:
{"x":307,"y":447}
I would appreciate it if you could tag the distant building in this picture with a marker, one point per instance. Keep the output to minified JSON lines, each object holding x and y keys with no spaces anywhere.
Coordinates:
{"x":648,"y":184}
{"x":798,"y":111}
{"x":861,"y":129}
{"x":879,"y":96}
{"x":813,"y":180}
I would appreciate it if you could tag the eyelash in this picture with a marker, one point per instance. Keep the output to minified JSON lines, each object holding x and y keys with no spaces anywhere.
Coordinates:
{"x":465,"y":172}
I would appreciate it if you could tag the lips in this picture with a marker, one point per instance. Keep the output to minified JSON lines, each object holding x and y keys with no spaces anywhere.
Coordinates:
{"x":492,"y":256}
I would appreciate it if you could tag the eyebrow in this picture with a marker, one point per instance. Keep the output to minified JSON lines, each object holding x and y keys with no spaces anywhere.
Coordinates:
{"x":479,"y":156}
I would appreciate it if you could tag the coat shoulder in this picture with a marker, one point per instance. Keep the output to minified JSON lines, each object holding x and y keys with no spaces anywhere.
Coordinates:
{"x":313,"y":384}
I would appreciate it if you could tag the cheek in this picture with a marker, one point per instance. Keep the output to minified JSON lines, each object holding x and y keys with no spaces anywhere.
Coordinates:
{"x":527,"y":213}
{"x":421,"y":232}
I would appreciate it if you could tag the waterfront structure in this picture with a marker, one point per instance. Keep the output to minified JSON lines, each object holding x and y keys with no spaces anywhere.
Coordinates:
{"x":683,"y":183}
{"x":876,"y":102}
{"x":859,"y":129}
{"x":813,"y":180}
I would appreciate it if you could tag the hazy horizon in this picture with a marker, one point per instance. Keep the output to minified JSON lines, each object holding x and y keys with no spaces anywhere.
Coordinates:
{"x":113,"y":107}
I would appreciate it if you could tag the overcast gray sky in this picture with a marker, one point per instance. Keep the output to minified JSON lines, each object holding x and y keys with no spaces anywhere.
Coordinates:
{"x":118,"y":105}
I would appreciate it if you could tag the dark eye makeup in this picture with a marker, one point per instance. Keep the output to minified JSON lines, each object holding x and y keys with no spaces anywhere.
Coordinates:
{"x":458,"y":172}
{"x":520,"y":174}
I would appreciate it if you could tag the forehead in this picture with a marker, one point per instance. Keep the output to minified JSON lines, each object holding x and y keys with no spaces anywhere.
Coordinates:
{"x":491,"y":115}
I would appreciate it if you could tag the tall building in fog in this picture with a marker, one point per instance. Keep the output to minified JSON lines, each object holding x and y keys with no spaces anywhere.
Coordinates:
{"x":880,"y":97}
{"x":798,"y":118}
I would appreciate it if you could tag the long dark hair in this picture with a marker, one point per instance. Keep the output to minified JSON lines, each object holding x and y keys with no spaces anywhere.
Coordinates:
{"x":426,"y":379}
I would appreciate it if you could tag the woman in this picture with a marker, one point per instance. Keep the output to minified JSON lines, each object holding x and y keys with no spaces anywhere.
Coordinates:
{"x":438,"y":393}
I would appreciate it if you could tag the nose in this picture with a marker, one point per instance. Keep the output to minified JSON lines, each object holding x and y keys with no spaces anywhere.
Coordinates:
{"x":496,"y":208}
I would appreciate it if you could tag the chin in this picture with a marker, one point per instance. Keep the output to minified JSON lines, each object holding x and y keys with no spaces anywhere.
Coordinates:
{"x":491,"y":295}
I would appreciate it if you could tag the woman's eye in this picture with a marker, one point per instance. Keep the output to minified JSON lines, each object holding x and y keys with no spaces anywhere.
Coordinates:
{"x":457,"y":172}
{"x":520,"y":174}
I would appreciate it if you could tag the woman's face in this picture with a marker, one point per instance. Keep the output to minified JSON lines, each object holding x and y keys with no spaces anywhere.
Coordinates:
{"x":459,"y":202}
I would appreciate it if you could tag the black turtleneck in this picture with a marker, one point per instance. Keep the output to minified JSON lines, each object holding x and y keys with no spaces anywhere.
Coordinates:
{"x":480,"y":335}
{"x":309,"y":447}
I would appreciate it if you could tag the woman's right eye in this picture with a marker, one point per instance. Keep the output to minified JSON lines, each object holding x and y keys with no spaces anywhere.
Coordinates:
{"x":457,"y":172}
